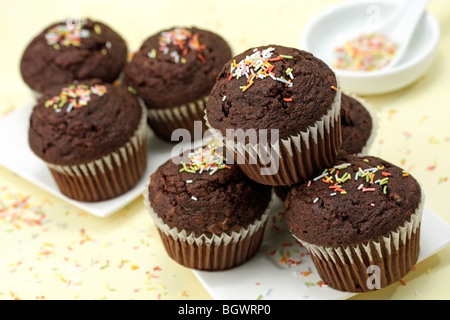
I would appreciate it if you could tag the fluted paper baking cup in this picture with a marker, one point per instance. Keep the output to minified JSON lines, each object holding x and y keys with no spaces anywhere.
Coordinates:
{"x":109,"y":176}
{"x":218,"y":252}
{"x":299,"y":157}
{"x":164,"y":121}
{"x":372,"y":265}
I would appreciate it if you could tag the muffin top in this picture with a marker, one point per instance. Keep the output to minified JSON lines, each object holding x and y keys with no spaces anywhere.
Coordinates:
{"x":208,"y":201}
{"x":356,"y":125}
{"x":176,"y":66}
{"x":82,"y":122}
{"x":358,"y":200}
{"x":271,"y":87}
{"x":66,"y":52}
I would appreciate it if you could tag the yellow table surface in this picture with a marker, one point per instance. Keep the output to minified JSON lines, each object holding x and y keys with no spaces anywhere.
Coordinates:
{"x":70,"y":254}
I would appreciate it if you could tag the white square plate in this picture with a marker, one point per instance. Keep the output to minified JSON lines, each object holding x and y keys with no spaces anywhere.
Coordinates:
{"x":271,"y":274}
{"x":281,"y":270}
{"x":17,"y":156}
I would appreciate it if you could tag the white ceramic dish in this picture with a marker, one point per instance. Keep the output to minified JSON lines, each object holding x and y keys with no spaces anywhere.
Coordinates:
{"x":267,"y":277}
{"x":328,"y":30}
{"x":18,"y":157}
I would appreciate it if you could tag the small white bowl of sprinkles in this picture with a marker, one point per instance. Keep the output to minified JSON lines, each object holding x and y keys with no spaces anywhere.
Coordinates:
{"x":359,"y":62}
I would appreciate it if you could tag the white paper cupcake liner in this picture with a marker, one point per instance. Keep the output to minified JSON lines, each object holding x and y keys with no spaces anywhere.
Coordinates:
{"x":299,"y":157}
{"x":164,"y":121}
{"x":218,"y":252}
{"x":349,"y":268}
{"x":109,"y":176}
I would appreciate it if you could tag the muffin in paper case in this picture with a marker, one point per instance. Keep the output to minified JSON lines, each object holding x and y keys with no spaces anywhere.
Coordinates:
{"x":373,"y":265}
{"x":211,"y":253}
{"x":295,"y":159}
{"x":109,"y":176}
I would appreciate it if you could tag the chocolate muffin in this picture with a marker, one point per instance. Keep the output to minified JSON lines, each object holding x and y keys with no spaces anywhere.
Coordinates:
{"x":173,"y":72}
{"x":364,"y":214}
{"x":65,"y":52}
{"x":92,"y":136}
{"x":357,"y":125}
{"x":289,"y":97}
{"x":210,"y":216}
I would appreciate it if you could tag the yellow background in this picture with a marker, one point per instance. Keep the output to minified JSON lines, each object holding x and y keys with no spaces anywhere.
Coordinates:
{"x":74,"y":255}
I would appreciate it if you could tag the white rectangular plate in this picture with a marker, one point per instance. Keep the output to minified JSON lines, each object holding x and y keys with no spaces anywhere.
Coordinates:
{"x":281,"y":270}
{"x":17,"y":156}
{"x":271,"y":274}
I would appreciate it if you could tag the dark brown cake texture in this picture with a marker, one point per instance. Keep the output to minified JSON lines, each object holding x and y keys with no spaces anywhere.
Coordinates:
{"x":103,"y":117}
{"x":285,"y":89}
{"x":206,"y":199}
{"x":81,"y":123}
{"x":63,"y":53}
{"x":360,"y":201}
{"x":173,"y":68}
{"x":357,"y":125}
{"x":272,"y":104}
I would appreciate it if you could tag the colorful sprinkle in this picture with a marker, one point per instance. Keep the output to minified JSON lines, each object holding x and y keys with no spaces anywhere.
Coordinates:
{"x":320,"y":177}
{"x":132,"y":90}
{"x":433,"y":140}
{"x":442,"y":179}
{"x":97,"y":29}
{"x":372,"y":177}
{"x":77,"y":96}
{"x":184,"y":40}
{"x":258,"y":66}
{"x":368,"y":52}
{"x":306,"y":273}
{"x":205,"y":159}
{"x":423,"y":119}
{"x":62,"y":35}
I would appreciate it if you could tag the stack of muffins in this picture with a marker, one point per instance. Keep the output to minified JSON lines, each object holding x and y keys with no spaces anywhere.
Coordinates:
{"x":90,"y":133}
{"x":283,"y":124}
{"x":353,"y":213}
{"x":286,"y":124}
{"x":89,"y":124}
